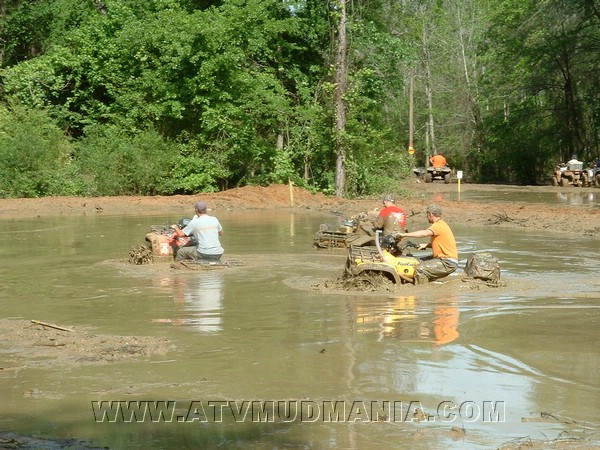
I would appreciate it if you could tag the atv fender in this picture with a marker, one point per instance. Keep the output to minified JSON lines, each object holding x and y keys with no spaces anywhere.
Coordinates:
{"x":376,"y":267}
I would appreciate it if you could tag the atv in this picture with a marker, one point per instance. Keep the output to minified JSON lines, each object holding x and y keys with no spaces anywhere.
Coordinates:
{"x":571,"y":175}
{"x":388,"y":259}
{"x":358,"y":230}
{"x":161,"y":245}
{"x":433,"y":173}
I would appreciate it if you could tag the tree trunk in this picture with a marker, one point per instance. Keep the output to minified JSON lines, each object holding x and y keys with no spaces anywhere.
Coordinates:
{"x":429,"y":94}
{"x":341,"y":74}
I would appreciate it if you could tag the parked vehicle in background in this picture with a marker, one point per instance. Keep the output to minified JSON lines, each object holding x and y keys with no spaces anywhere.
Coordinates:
{"x":572,"y":174}
{"x":429,"y":174}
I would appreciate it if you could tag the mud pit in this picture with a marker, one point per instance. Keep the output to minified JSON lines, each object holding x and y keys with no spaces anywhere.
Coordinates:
{"x":413,"y":197}
{"x":35,"y":345}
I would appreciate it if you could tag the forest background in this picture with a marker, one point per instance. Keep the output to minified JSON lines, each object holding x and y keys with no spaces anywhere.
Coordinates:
{"x":145,"y":97}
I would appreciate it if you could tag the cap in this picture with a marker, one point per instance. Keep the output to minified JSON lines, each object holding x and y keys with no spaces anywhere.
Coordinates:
{"x":200,"y":206}
{"x":389,"y":198}
{"x":434,"y":209}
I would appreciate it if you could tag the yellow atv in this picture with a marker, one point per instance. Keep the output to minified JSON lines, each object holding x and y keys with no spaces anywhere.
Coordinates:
{"x":388,"y":261}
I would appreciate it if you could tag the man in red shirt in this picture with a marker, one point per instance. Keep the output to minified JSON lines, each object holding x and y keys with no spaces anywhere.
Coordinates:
{"x":392,"y":219}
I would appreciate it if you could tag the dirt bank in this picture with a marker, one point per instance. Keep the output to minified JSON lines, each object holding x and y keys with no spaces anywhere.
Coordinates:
{"x":412,"y":196}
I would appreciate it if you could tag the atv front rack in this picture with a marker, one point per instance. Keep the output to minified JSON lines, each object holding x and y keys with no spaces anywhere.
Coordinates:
{"x":326,"y":238}
{"x":364,"y":254}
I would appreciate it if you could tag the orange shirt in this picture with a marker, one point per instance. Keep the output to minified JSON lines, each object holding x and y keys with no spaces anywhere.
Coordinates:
{"x":438,"y":160}
{"x":445,"y":325}
{"x":443,"y":244}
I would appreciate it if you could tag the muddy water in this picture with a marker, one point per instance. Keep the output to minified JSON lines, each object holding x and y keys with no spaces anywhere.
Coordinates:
{"x":264,"y":359}
{"x":569,"y":196}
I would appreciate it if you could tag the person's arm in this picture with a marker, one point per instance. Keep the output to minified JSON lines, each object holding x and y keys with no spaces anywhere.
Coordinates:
{"x":178,"y":231}
{"x":418,"y":233}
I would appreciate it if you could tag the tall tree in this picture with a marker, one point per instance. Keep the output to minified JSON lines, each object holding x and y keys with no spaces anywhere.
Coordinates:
{"x":341,"y":75}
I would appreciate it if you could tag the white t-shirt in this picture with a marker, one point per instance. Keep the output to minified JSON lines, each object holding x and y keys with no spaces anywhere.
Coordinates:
{"x":206,"y":230}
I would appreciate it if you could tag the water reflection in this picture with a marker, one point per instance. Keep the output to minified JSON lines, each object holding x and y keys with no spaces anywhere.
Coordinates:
{"x":403,"y":320}
{"x":198,"y":301}
{"x":577,"y":198}
{"x":566,"y":196}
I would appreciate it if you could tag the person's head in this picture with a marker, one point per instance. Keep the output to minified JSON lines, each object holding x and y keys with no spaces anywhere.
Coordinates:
{"x":200,"y":207}
{"x":389,"y":199}
{"x":433,"y":212}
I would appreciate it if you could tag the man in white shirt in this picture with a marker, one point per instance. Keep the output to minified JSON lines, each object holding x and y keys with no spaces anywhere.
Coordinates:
{"x":206,"y":229}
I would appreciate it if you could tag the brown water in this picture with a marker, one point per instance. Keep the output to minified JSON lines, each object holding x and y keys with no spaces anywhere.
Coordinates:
{"x":263,"y":360}
{"x":583,"y":197}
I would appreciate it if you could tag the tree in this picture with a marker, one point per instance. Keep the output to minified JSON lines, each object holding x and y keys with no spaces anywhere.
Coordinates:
{"x":341,"y":75}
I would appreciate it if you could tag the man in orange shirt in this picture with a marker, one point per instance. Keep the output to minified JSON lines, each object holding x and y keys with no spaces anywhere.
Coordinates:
{"x":438,"y":161}
{"x":444,"y":258}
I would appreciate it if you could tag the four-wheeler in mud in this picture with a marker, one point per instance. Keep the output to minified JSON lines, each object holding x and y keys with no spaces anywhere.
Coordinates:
{"x":572,"y":174}
{"x":429,"y":174}
{"x":161,"y":245}
{"x":387,"y":259}
{"x":594,"y":174}
{"x":358,"y":230}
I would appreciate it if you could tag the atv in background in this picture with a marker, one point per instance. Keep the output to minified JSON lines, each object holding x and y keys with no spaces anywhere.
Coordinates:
{"x":429,"y":174}
{"x":594,"y":173}
{"x":572,"y":174}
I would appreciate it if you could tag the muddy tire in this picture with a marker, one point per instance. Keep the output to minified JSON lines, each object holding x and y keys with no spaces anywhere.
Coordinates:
{"x":369,"y":280}
{"x":428,"y":178}
{"x":447,"y":178}
{"x":140,"y":254}
{"x":586,"y":180}
{"x":564,"y":182}
{"x":597,"y":180}
{"x":554,"y":181}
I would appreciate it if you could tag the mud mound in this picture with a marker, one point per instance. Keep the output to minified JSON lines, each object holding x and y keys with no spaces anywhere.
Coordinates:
{"x":365,"y":282}
{"x":41,"y":344}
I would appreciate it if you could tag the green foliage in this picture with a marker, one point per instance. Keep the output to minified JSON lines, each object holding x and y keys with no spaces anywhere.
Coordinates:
{"x":113,"y":161}
{"x":197,"y":170}
{"x":33,"y":153}
{"x":175,"y":96}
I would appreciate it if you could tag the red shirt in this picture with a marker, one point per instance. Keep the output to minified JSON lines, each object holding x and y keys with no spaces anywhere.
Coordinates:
{"x":397,"y":212}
